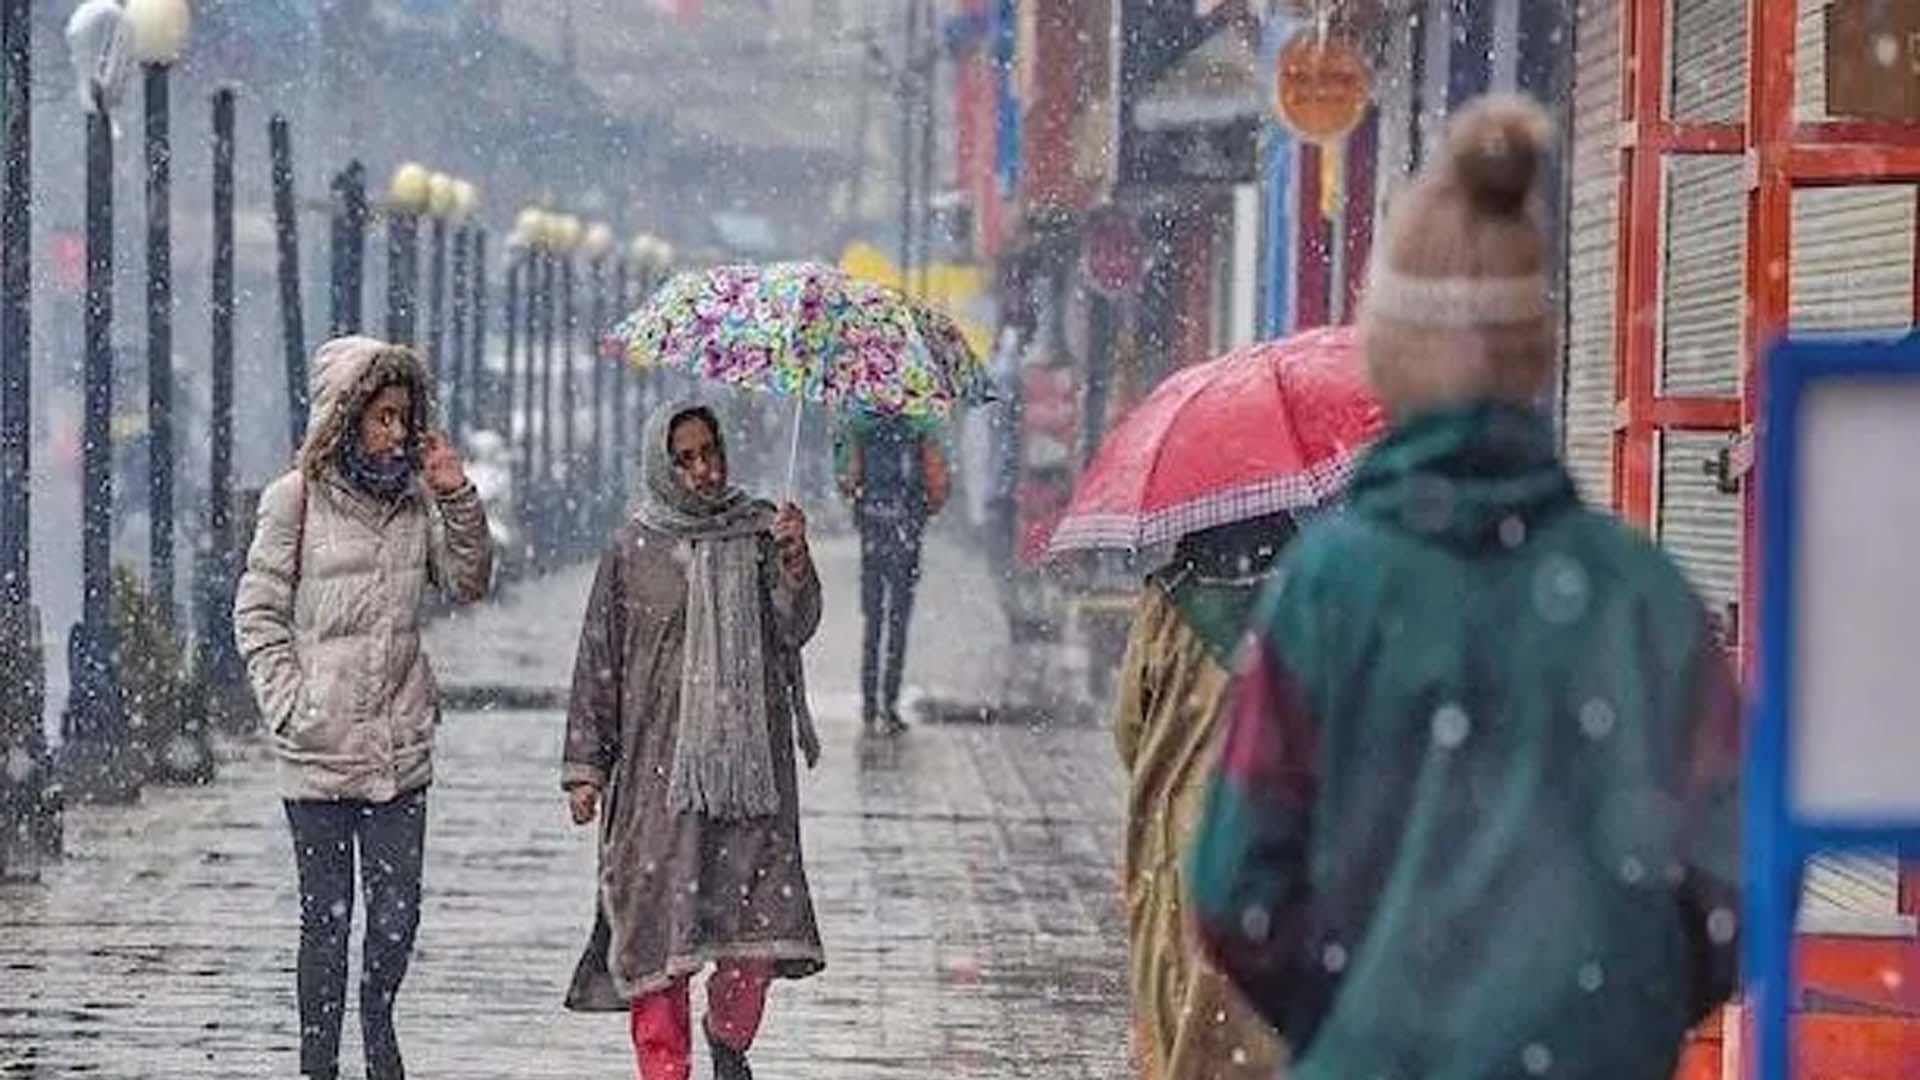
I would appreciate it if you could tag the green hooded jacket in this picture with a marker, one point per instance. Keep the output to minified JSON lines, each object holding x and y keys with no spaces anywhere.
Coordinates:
{"x":1475,"y":816}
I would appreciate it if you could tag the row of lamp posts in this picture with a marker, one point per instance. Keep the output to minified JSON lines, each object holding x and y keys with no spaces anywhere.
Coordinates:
{"x":455,"y":279}
{"x":570,"y":477}
{"x":105,"y":39}
{"x":567,"y":493}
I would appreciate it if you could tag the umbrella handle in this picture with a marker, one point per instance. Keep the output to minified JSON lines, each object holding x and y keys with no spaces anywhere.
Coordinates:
{"x":793,"y":449}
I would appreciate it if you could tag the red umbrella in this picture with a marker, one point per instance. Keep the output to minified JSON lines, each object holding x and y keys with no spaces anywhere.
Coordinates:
{"x":1273,"y":427}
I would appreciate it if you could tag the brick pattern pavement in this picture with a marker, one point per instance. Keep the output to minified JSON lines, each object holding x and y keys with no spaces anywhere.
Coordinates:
{"x":965,"y":879}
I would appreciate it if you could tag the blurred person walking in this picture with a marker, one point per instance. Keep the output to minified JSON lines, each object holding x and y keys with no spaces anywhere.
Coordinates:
{"x":894,"y":471}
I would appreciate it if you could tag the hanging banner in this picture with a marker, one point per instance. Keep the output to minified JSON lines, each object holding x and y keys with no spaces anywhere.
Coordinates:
{"x":1323,"y":86}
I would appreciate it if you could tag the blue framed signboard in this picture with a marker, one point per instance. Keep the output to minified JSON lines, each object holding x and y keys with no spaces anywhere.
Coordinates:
{"x":1834,"y":757}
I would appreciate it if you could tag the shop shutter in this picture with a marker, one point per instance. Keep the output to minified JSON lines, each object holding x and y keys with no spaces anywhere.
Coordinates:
{"x":1708,"y":59}
{"x":1593,"y":225}
{"x":1696,"y":522}
{"x":1853,"y":254}
{"x":1852,"y":271}
{"x":1705,"y":275}
{"x":1853,"y":248}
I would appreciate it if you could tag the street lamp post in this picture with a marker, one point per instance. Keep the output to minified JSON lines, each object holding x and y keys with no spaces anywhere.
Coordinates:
{"x":97,"y":739}
{"x":349,"y":247}
{"x":16,"y":307}
{"x":461,"y":384}
{"x":439,"y":208}
{"x":220,"y":657}
{"x":480,"y":399}
{"x":651,"y":257}
{"x":30,"y":800}
{"x":528,"y":231}
{"x":641,"y":253}
{"x":595,"y":243}
{"x":516,"y":261}
{"x":549,"y":269}
{"x":406,"y":198}
{"x":454,"y":368}
{"x":564,"y":241}
{"x":159,"y":37}
{"x":286,"y":231}
{"x":621,"y":378}
{"x":538,"y":366}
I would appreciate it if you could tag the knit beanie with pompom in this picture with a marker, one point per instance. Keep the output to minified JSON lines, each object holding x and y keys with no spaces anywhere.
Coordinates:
{"x":1456,"y":308}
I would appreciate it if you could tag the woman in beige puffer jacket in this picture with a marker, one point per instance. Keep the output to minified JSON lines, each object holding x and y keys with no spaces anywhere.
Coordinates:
{"x":327,"y":616}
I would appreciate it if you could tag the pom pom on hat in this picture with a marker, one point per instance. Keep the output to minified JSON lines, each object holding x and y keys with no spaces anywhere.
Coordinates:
{"x":1494,"y":151}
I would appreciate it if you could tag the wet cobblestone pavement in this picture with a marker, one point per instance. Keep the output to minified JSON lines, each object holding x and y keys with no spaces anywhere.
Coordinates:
{"x":964,"y":875}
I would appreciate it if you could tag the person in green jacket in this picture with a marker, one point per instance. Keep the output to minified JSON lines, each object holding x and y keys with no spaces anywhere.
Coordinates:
{"x":1475,"y":815}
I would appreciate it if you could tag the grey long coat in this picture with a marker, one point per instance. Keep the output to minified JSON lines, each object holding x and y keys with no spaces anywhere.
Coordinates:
{"x":678,"y":891}
{"x":328,"y":611}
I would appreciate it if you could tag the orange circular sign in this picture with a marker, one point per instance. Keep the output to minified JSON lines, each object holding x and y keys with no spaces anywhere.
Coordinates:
{"x":1324,"y":86}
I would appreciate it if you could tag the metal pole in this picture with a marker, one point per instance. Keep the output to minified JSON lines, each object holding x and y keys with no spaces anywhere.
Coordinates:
{"x":621,"y":377}
{"x":286,"y":230}
{"x":569,"y":395}
{"x":217,"y":637}
{"x":596,"y":326}
{"x":349,"y":247}
{"x":396,"y":278}
{"x":436,"y":302}
{"x":16,"y":310}
{"x":458,"y":385}
{"x":359,"y":216}
{"x":547,"y":297}
{"x":511,"y":348}
{"x":544,"y":476}
{"x":93,"y":707}
{"x":481,"y":393}
{"x":160,"y":339}
{"x":336,"y":253}
{"x":529,"y":393}
{"x":403,"y":274}
{"x":31,"y":810}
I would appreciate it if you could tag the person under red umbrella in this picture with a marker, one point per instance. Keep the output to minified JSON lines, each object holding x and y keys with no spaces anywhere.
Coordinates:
{"x":1188,"y":1019}
{"x":1219,"y":460}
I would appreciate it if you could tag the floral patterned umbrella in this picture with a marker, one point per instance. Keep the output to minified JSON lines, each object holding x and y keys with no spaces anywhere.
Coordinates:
{"x":810,"y":332}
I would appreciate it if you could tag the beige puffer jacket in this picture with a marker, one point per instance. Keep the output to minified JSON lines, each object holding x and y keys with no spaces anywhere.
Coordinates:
{"x":328,"y":609}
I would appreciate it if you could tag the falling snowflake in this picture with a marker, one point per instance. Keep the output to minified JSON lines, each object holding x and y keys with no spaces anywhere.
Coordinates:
{"x":1597,"y":719}
{"x":1451,"y":726}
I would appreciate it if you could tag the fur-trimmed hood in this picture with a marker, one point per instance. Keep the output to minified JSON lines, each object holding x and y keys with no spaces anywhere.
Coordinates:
{"x":347,"y":372}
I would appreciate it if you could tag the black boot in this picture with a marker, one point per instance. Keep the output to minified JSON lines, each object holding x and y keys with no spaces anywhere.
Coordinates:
{"x":728,"y":1063}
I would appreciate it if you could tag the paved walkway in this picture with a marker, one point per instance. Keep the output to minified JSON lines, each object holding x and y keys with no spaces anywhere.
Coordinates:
{"x":965,"y":879}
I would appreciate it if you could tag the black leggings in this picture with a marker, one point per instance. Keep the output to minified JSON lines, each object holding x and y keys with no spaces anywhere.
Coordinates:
{"x":889,"y":573}
{"x":391,"y":839}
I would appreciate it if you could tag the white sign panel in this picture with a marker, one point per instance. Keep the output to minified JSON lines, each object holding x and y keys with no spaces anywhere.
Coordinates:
{"x":1856,"y":638}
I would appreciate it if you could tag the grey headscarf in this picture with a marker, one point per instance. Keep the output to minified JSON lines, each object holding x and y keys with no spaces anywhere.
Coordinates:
{"x":723,"y":760}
